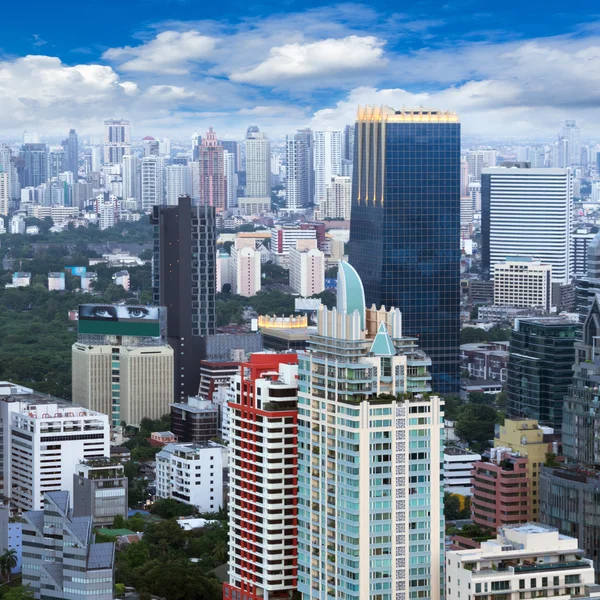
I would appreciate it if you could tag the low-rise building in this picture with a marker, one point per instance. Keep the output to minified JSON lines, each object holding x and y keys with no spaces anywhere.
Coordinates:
{"x":61,"y":558}
{"x":56,"y":282}
{"x":196,"y":422}
{"x":100,"y":491}
{"x":162,"y":438}
{"x":524,"y":561}
{"x":192,"y":474}
{"x":485,"y":360}
{"x":122,"y":278}
{"x":458,"y":465}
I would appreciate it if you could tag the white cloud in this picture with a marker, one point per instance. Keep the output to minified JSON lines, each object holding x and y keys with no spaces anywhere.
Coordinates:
{"x":170,"y":52}
{"x":331,"y":58}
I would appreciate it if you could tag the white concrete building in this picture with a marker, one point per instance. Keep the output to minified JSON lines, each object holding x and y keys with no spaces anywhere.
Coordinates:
{"x":117,"y":141}
{"x":258,"y":166}
{"x":87,"y":280}
{"x":131,"y":177}
{"x":337,"y":201}
{"x":246,"y":268}
{"x":527,"y":212}
{"x":307,"y":269}
{"x":328,"y":161}
{"x":254,"y":206}
{"x":56,"y":282}
{"x":2,"y":225}
{"x":231,"y":179}
{"x":122,"y":278}
{"x":525,"y":561}
{"x":42,"y":444}
{"x":477,"y":160}
{"x":191,"y":474}
{"x":178,"y":183}
{"x":153,"y":181}
{"x":17,"y":224}
{"x":21,"y":279}
{"x":4,"y":192}
{"x":107,"y":214}
{"x":457,"y":470}
{"x":523,"y":282}
{"x":283,"y":239}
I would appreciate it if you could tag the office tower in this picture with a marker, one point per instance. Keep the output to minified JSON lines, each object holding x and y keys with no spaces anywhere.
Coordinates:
{"x":477,"y":160}
{"x":197,"y":420}
{"x":4,"y":192}
{"x":338,"y":200}
{"x":196,"y":143}
{"x":466,"y":217}
{"x":178,"y":183}
{"x":35,"y":171}
{"x":184,"y":279}
{"x":43,"y":441}
{"x":580,"y":240}
{"x":122,"y":365}
{"x":258,"y":171}
{"x":117,"y":141}
{"x":212,"y":173}
{"x":464,"y":178}
{"x":405,"y":229}
{"x":527,"y":212}
{"x":153,"y":181}
{"x":523,"y":282}
{"x":100,"y":491}
{"x":348,"y":150}
{"x":246,"y":268}
{"x":263,"y":471}
{"x":131,"y":177}
{"x":96,"y":158}
{"x":569,"y":137}
{"x":530,"y":557}
{"x":71,"y":148}
{"x":540,"y":363}
{"x":300,"y":169}
{"x":165,"y":147}
{"x":233,"y":148}
{"x":7,"y":164}
{"x":61,"y":558}
{"x":231,"y":179}
{"x":57,"y":163}
{"x":192,"y":474}
{"x":307,"y":269}
{"x":327,"y":160}
{"x":151,"y":146}
{"x":370,"y":508}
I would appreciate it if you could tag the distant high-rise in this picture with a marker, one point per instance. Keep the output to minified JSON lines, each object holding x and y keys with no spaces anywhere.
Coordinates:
{"x":71,"y":148}
{"x":300,"y":170}
{"x":151,"y":146}
{"x":327,"y":160}
{"x":570,"y":137}
{"x":117,"y":140}
{"x":178,"y":183}
{"x":405,"y":226}
{"x":131,"y":177}
{"x":478,"y":160}
{"x":153,"y":181}
{"x":338,"y":200}
{"x":233,"y":148}
{"x":348,"y":150}
{"x":307,"y":157}
{"x":57,"y":163}
{"x":184,"y":280}
{"x":35,"y":171}
{"x":212,"y":172}
{"x":4,"y":195}
{"x":258,"y":167}
{"x":527,"y":212}
{"x":231,"y":179}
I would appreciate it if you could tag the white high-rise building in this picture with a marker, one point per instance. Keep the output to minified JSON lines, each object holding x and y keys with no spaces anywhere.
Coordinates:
{"x":131,"y":177}
{"x":4,"y":192}
{"x":337,"y":201}
{"x":523,"y":282}
{"x":527,"y":560}
{"x":14,"y":187}
{"x":527,"y":212}
{"x":117,"y":141}
{"x":231,"y":179}
{"x":258,"y":165}
{"x":328,"y":160}
{"x":307,"y":268}
{"x":107,"y":216}
{"x":297,"y":177}
{"x":43,"y":441}
{"x":178,"y":183}
{"x":195,"y":178}
{"x":153,"y":182}
{"x":480,"y":159}
{"x":96,"y":159}
{"x":570,"y":135}
{"x":246,"y":268}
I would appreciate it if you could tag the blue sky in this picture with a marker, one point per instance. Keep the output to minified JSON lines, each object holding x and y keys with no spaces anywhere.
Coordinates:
{"x":175,"y":66}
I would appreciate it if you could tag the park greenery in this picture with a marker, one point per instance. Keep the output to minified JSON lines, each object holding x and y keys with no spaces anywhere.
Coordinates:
{"x":476,"y":335}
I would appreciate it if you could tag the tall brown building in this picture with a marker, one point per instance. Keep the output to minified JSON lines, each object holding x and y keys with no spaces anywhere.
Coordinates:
{"x":212,"y":172}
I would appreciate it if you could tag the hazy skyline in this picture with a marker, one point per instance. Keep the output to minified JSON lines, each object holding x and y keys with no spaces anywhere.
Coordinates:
{"x":176,"y":67}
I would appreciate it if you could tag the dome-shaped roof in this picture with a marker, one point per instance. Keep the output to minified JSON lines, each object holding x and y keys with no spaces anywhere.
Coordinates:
{"x":149,"y":138}
{"x":350,"y":291}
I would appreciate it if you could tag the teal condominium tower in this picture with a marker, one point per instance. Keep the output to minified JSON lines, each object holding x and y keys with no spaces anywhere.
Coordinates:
{"x":370,"y":506}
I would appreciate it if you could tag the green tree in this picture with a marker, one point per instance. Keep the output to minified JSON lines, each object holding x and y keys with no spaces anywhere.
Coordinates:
{"x":8,"y":561}
{"x":169,"y":508}
{"x":475,"y":423}
{"x":551,"y":460}
{"x":451,"y":506}
{"x":20,"y":592}
{"x":452,"y":406}
{"x":136,"y":523}
{"x":478,"y":398}
{"x":119,"y":522}
{"x":119,"y":590}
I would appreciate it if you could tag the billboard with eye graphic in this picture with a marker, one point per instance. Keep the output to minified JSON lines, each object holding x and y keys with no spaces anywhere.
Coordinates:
{"x":110,"y":319}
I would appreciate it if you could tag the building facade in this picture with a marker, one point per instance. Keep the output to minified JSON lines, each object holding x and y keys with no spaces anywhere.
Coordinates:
{"x":196,"y":421}
{"x":117,"y":140}
{"x":458,"y":464}
{"x":406,"y":249}
{"x":527,"y":212}
{"x":307,"y":269}
{"x":212,"y":172}
{"x":178,"y":180}
{"x":337,"y":202}
{"x":523,"y":282}
{"x":246,"y":268}
{"x":327,"y":161}
{"x":258,"y":172}
{"x":153,"y":182}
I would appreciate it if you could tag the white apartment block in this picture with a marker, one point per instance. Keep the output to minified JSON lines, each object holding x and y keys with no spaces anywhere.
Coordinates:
{"x":458,"y":464}
{"x":527,"y":212}
{"x":153,"y":181}
{"x":117,"y":141}
{"x":191,"y":474}
{"x":307,"y":269}
{"x":477,"y":160}
{"x":258,"y":166}
{"x":337,"y":201}
{"x":254,"y":206}
{"x":42,"y":444}
{"x":178,"y":183}
{"x":107,"y":216}
{"x":284,"y":239}
{"x":327,"y":160}
{"x":524,"y":561}
{"x":523,"y":282}
{"x":4,"y":192}
{"x":126,"y":382}
{"x":56,"y":282}
{"x":131,"y":177}
{"x":246,"y":268}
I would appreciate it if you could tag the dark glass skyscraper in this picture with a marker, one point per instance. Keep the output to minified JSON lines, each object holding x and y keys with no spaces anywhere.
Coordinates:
{"x":184,"y":280}
{"x":405,"y":226}
{"x":35,"y":171}
{"x":71,"y":148}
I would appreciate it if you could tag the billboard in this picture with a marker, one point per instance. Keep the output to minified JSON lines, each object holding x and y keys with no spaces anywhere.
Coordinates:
{"x":110,"y":319}
{"x":76,"y":271}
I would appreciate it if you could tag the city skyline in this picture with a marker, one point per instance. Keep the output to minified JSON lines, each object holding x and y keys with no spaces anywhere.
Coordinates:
{"x":305,"y":67}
